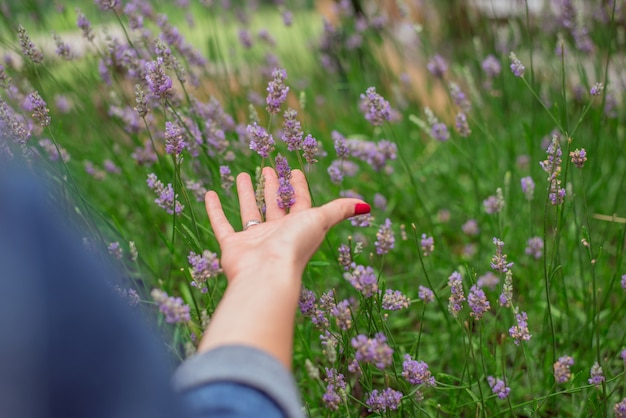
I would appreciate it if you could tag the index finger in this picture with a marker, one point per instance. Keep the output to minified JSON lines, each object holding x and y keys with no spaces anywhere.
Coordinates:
{"x":221,"y":227}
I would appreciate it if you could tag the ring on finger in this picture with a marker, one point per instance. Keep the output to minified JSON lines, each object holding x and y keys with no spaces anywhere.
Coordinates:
{"x":251,"y":223}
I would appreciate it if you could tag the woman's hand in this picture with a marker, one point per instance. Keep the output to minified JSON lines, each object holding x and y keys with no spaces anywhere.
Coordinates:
{"x":264,"y":263}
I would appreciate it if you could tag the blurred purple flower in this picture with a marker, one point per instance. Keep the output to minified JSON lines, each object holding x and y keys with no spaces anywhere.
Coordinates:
{"x":166,"y":198}
{"x":439,"y":131}
{"x":385,"y":238}
{"x":428,"y":245}
{"x":175,"y":310}
{"x":470,"y":228}
{"x":394,"y":300}
{"x":310,"y":149}
{"x":517,"y":68}
{"x":425,"y":294}
{"x":388,"y":399}
{"x":203,"y":266}
{"x":375,"y":350}
{"x":437,"y":66}
{"x":528,"y":187}
{"x":457,"y":297}
{"x":520,"y":331}
{"x":174,"y":138}
{"x":376,"y":109}
{"x":159,"y":83}
{"x":364,"y":280}
{"x":491,"y":66}
{"x":416,"y":372}
{"x":561,"y":367}
{"x":534,"y":247}
{"x":478,"y":302}
{"x":498,"y":387}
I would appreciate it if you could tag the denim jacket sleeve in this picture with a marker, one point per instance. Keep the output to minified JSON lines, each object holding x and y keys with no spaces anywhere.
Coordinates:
{"x":236,"y":382}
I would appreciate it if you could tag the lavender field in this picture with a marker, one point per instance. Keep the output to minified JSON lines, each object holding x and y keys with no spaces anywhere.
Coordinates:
{"x":489,"y":138}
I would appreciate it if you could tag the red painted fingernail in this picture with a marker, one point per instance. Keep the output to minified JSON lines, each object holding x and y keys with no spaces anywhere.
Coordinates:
{"x":362,"y":208}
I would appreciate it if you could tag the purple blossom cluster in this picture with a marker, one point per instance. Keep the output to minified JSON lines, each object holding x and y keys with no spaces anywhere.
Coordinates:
{"x":457,"y":296}
{"x":534,"y":247}
{"x":335,"y":389}
{"x":159,"y":83}
{"x":498,"y":387}
{"x":260,"y":140}
{"x":528,"y":187}
{"x":578,"y":156}
{"x":342,"y":312}
{"x":520,"y":331}
{"x":416,"y":372}
{"x":203,"y":267}
{"x":286,"y":194}
{"x":624,"y":282}
{"x":364,"y":280}
{"x":619,"y":409}
{"x":385,"y":238}
{"x":276,"y":90}
{"x":292,"y":131}
{"x":425,"y":294}
{"x":517,"y":68}
{"x":561,"y":367}
{"x":376,"y":109}
{"x":596,"y":375}
{"x":174,"y":138}
{"x":166,"y":197}
{"x":506,"y":297}
{"x":499,"y":261}
{"x":28,"y":47}
{"x":427,"y":243}
{"x":552,"y":166}
{"x":388,"y":399}
{"x":394,"y":300}
{"x":478,"y":302}
{"x":375,"y":350}
{"x":437,"y":66}
{"x":39,"y":108}
{"x":174,"y":309}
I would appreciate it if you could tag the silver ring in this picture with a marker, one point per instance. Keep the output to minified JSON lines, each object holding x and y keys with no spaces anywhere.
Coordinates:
{"x":251,"y":223}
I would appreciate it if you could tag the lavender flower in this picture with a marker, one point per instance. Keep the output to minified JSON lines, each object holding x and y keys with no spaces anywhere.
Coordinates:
{"x":260,"y":141}
{"x":276,"y":90}
{"x":335,"y":389}
{"x":596,"y":89}
{"x":306,"y":302}
{"x":141,"y":105}
{"x":561,"y":367}
{"x":105,"y":5}
{"x":54,"y":150}
{"x":439,"y":131}
{"x":286,"y":193}
{"x":175,"y":310}
{"x":624,"y":282}
{"x":388,"y":399}
{"x":342,"y":313}
{"x":85,"y":26}
{"x":528,"y":187}
{"x":428,"y":245}
{"x":376,"y":109}
{"x":226,"y":178}
{"x":579,"y":156}
{"x":437,"y":66}
{"x":457,"y":297}
{"x":394,"y":300}
{"x":622,"y":355}
{"x":292,"y":131}
{"x":203,"y":267}
{"x":111,"y":167}
{"x":520,"y":331}
{"x":478,"y":302}
{"x":310,"y":148}
{"x":167,"y":198}
{"x":159,"y":83}
{"x":174,"y":138}
{"x":28,"y":47}
{"x":488,"y":280}
{"x":459,"y":98}
{"x":345,"y":256}
{"x":425,"y":294}
{"x":39,"y":108}
{"x":491,"y":66}
{"x":498,"y":261}
{"x":380,"y":202}
{"x":461,"y":125}
{"x":619,"y":409}
{"x":498,"y":387}
{"x":341,"y":147}
{"x":364,"y":280}
{"x":534,"y":247}
{"x":517,"y":68}
{"x":506,"y":297}
{"x":375,"y":350}
{"x":385,"y":238}
{"x":146,"y":155}
{"x":115,"y":250}
{"x":416,"y":372}
{"x":552,"y":166}
{"x":471,"y":228}
{"x":597,"y":378}
{"x":245,"y":38}
{"x":63,"y":49}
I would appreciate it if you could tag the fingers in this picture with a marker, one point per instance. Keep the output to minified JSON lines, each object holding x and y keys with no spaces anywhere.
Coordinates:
{"x":301,"y":189}
{"x":272,"y":211}
{"x":339,"y":209}
{"x":219,"y":223}
{"x":247,"y":199}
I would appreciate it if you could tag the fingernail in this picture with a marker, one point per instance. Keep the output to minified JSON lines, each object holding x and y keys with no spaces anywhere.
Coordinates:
{"x":362,"y":208}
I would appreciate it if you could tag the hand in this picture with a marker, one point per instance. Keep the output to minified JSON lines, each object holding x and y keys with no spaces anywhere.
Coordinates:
{"x":264,"y":264}
{"x":284,"y":242}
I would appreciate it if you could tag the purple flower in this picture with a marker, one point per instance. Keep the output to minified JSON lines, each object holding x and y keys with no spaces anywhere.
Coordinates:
{"x":376,"y":109}
{"x":425,"y":294}
{"x":428,"y":245}
{"x":437,"y":66}
{"x":528,"y":187}
{"x":115,"y":250}
{"x":552,"y":166}
{"x":85,"y":26}
{"x":364,"y":280}
{"x":310,"y":149}
{"x":287,"y":17}
{"x":276,"y":90}
{"x":174,"y":138}
{"x":166,"y":198}
{"x":624,"y":282}
{"x":416,"y":372}
{"x":506,"y":297}
{"x":342,"y":313}
{"x":520,"y":331}
{"x":385,"y":238}
{"x":375,"y":350}
{"x":498,"y":387}
{"x":111,"y":167}
{"x":54,"y":150}
{"x":203,"y":267}
{"x":597,"y":378}
{"x":561,"y":367}
{"x":245,"y":38}
{"x":620,"y":409}
{"x":335,"y":389}
{"x":380,"y":202}
{"x":461,"y":125}
{"x":345,"y":256}
{"x":488,"y":280}
{"x":517,"y":68}
{"x":622,"y":355}
{"x":457,"y":297}
{"x":175,"y":310}
{"x":596,"y":89}
{"x":534,"y":247}
{"x":28,"y":47}
{"x":39,"y":108}
{"x":498,"y":261}
{"x":439,"y":131}
{"x":226,"y":178}
{"x":159,"y":83}
{"x":394,"y":300}
{"x":146,"y":155}
{"x":478,"y":302}
{"x":579,"y":156}
{"x":388,"y":399}
{"x":306,"y":302}
{"x":260,"y":140}
{"x":292,"y":131}
{"x":491,"y":66}
{"x":471,"y":228}
{"x":341,"y":147}
{"x":107,"y":4}
{"x":460,"y":98}
{"x":286,"y":192}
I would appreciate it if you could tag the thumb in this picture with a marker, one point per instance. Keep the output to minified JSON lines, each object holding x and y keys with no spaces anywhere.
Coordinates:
{"x":337,"y":210}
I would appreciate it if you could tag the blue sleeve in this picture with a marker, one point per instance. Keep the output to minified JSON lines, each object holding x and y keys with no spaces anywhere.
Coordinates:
{"x":236,"y":382}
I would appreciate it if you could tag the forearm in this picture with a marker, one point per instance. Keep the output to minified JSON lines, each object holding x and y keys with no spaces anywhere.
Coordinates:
{"x":258,"y":313}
